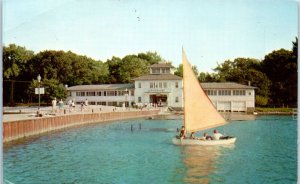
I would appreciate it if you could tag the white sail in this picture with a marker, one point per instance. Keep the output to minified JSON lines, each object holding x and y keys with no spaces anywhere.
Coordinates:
{"x":199,"y":112}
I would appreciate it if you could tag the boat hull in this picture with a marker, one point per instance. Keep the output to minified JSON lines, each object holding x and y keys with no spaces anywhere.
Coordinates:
{"x":203,"y":142}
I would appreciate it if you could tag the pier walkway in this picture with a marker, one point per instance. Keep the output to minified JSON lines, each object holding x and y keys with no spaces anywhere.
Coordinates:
{"x":23,"y":122}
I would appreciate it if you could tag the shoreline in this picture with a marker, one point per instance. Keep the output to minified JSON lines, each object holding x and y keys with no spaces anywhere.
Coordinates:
{"x":21,"y":128}
{"x":23,"y":122}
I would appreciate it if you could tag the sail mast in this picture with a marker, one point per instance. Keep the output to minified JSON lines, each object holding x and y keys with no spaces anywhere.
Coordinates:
{"x":183,"y":55}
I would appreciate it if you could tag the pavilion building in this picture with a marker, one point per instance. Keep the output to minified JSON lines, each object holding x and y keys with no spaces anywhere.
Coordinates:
{"x":162,"y":88}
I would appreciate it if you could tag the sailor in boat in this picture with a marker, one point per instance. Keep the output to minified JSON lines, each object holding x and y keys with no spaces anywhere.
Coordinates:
{"x":218,"y":136}
{"x":206,"y":137}
{"x":192,"y":136}
{"x":182,"y":133}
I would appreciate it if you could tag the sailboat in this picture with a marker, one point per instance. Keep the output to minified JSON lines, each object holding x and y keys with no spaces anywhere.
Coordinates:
{"x":199,"y":112}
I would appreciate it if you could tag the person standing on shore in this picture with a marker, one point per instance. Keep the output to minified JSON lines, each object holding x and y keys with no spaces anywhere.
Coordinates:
{"x":86,"y":103}
{"x":54,"y":105}
{"x":61,"y":105}
{"x":70,"y":105}
{"x":81,"y":106}
{"x":73,"y":104}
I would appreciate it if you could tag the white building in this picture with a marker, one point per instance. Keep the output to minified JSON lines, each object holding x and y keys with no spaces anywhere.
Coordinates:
{"x":104,"y":94}
{"x":162,"y":88}
{"x":231,"y":97}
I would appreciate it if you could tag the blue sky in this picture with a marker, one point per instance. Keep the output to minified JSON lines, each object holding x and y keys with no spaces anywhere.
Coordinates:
{"x":210,"y":31}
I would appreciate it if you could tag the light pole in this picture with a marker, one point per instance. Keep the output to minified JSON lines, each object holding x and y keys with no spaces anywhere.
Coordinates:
{"x":126,"y":96}
{"x":39,"y":81}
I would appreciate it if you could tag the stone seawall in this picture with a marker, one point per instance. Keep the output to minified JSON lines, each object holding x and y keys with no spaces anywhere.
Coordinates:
{"x":23,"y":128}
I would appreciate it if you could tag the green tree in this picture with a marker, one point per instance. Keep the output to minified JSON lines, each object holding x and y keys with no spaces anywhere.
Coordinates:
{"x":179,"y":70}
{"x":150,"y":57}
{"x":15,"y":60}
{"x":260,"y":100}
{"x":295,"y":47}
{"x":15,"y":69}
{"x":68,"y":68}
{"x":195,"y":70}
{"x":132,"y":67}
{"x":52,"y":89}
{"x":113,"y":66}
{"x":52,"y":64}
{"x":207,"y":77}
{"x":244,"y":70}
{"x":281,"y":68}
{"x":237,"y":70}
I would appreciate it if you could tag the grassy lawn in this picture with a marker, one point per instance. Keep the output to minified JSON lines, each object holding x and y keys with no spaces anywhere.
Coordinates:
{"x":270,"y":109}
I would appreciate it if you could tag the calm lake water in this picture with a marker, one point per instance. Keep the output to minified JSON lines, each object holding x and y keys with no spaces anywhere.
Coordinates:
{"x":265,"y":152}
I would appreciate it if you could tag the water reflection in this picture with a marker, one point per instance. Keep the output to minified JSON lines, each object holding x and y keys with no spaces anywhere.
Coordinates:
{"x":200,"y":162}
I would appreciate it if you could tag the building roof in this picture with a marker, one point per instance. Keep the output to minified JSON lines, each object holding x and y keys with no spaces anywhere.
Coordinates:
{"x":208,"y":85}
{"x":101,"y":87}
{"x":225,"y":85}
{"x":162,"y":65}
{"x":158,"y":77}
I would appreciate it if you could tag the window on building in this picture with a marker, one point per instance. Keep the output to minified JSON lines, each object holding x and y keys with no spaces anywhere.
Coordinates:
{"x":112,"y":103}
{"x":160,"y":84}
{"x":80,"y":93}
{"x":140,"y":85}
{"x":176,"y":99}
{"x":89,"y":93}
{"x":139,"y":99}
{"x":101,"y":103}
{"x":176,"y":84}
{"x":224,"y":92}
{"x":92,"y":103}
{"x":239,"y":92}
{"x":110,"y":93}
{"x":125,"y":92}
{"x":165,"y":84}
{"x":99,"y":93}
{"x":132,"y":92}
{"x":104,"y":93}
{"x":151,"y":85}
{"x":211,"y":92}
{"x":155,"y":70}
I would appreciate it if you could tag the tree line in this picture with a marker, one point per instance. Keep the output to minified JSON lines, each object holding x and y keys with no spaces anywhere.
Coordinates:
{"x":59,"y":68}
{"x":275,"y":76}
